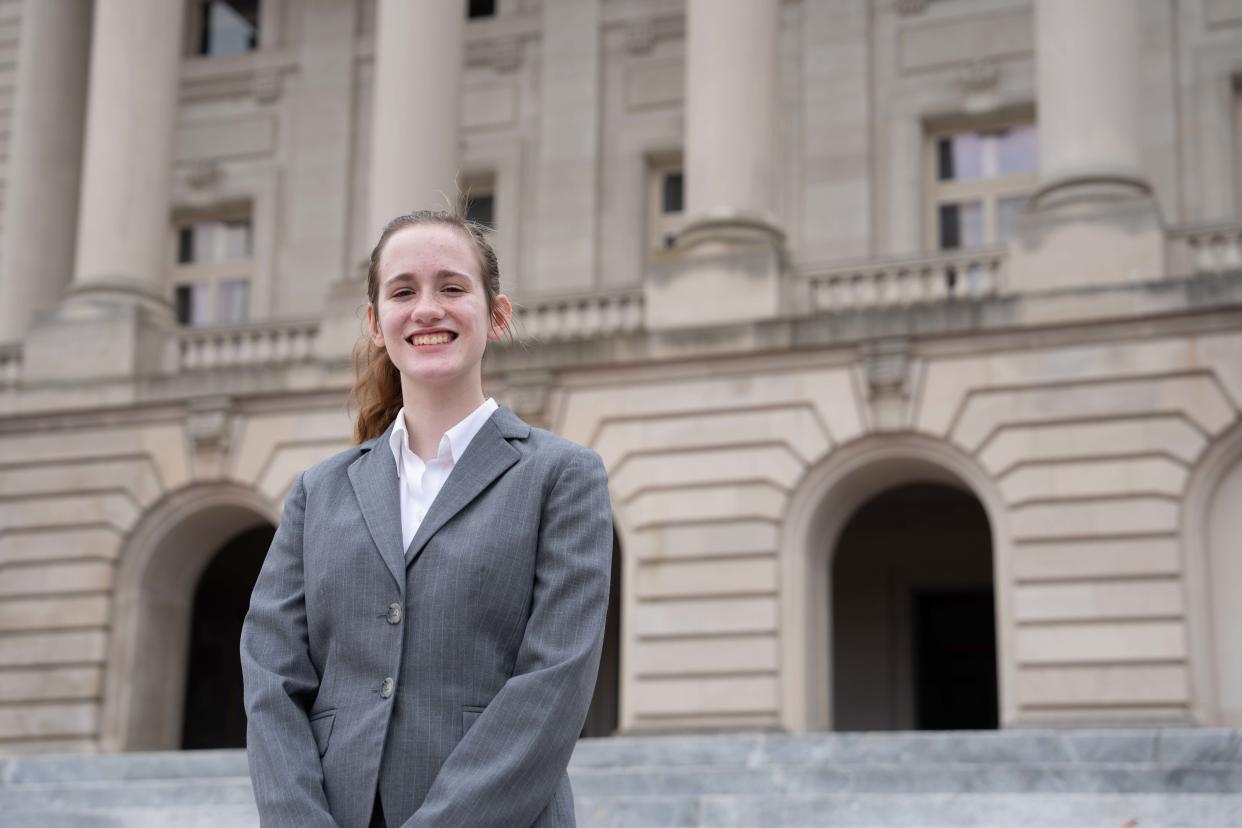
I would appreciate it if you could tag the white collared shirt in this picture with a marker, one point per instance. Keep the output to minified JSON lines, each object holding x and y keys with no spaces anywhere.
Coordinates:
{"x":419,"y":482}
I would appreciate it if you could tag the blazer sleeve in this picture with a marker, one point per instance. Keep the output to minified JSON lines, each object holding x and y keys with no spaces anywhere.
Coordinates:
{"x":281,"y":682}
{"x":506,"y":768}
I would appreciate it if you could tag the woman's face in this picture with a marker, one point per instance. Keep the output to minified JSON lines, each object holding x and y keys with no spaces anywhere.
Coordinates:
{"x":432,"y":308}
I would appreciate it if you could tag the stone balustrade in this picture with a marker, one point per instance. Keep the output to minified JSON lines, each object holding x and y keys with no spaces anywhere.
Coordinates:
{"x":1206,"y":248}
{"x":10,"y":362}
{"x":964,"y":274}
{"x":579,"y":316}
{"x":252,"y":345}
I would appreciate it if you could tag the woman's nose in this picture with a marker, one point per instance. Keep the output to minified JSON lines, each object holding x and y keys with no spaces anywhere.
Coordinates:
{"x":427,"y":307}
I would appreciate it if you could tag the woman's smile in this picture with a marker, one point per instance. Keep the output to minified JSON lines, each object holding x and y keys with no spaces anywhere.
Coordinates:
{"x":430,"y":340}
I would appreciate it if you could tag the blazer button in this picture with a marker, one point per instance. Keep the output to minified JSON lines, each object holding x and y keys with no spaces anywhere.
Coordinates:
{"x":394,"y":613}
{"x":387,"y":687}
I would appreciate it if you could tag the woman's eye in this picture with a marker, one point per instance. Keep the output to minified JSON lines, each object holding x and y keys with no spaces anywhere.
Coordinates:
{"x":403,"y":292}
{"x":453,"y":289}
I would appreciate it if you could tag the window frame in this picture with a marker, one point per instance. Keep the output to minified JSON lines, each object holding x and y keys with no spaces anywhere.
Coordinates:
{"x":194,"y":31}
{"x":658,"y":225}
{"x":213,"y":272}
{"x":989,"y":191}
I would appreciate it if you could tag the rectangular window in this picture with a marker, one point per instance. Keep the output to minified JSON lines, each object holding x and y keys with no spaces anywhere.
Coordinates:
{"x":228,"y":27}
{"x":211,"y":281}
{"x":665,"y":201}
{"x":671,"y":192}
{"x":480,"y":8}
{"x":979,"y":183}
{"x":481,"y":208}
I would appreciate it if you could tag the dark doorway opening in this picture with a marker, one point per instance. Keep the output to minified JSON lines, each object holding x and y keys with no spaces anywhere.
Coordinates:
{"x":214,"y":714}
{"x":603,"y":717}
{"x":913,"y":624}
{"x":955,"y":660}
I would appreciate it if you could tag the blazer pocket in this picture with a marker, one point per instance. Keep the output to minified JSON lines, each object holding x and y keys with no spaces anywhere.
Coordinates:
{"x":469,"y":713}
{"x":321,"y":727}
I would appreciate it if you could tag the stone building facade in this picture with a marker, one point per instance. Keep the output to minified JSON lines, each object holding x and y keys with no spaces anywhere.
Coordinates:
{"x":910,"y":332}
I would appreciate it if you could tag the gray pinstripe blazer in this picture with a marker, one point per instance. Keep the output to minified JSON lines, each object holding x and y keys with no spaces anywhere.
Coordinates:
{"x":455,"y":675}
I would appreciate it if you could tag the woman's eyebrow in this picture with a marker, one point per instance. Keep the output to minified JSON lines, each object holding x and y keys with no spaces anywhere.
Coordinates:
{"x":441,"y":275}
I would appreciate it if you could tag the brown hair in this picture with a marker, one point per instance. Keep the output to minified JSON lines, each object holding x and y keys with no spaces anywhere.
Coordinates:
{"x":377,"y":383}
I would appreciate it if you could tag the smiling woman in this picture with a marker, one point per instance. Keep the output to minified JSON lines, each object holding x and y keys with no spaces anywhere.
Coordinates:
{"x":423,"y":640}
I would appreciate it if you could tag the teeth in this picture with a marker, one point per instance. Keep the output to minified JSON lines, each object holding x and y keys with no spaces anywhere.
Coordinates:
{"x":431,"y":339}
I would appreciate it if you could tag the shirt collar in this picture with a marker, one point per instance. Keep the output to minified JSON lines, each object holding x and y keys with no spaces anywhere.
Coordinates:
{"x":454,"y":440}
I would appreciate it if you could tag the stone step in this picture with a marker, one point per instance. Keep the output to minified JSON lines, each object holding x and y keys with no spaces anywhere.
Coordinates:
{"x":909,"y":778}
{"x":724,"y":811}
{"x":915,"y":811}
{"x":1171,"y":746}
{"x":1066,"y":779}
{"x":133,"y":793}
{"x":189,"y":787}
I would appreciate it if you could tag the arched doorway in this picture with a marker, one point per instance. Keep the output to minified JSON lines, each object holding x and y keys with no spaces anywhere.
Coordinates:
{"x":1212,"y":542}
{"x":914,"y":632}
{"x":1224,"y":542}
{"x":214,"y":714}
{"x":163,"y":564}
{"x":603,"y":716}
{"x":821,"y":509}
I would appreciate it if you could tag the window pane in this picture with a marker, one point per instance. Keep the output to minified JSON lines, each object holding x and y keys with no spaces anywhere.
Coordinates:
{"x":480,"y":8}
{"x":232,"y":297}
{"x":482,"y":209}
{"x":239,"y":240}
{"x":1007,"y":210}
{"x":184,"y":298}
{"x":1017,"y":151}
{"x":192,"y":304}
{"x":230,"y":27}
{"x":671,"y":193}
{"x":961,"y":225}
{"x":961,"y":156}
{"x":205,"y":241}
{"x":185,"y":245}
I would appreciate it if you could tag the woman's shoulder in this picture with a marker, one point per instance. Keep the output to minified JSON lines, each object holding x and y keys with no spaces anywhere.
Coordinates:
{"x":557,"y":453}
{"x":335,"y":466}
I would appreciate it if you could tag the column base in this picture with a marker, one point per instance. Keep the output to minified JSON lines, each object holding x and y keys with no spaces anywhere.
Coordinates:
{"x":723,"y":269}
{"x":1088,"y":230}
{"x":104,"y":330}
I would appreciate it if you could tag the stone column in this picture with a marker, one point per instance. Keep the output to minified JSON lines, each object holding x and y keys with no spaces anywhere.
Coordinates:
{"x":416,"y":105}
{"x":1088,"y":86}
{"x":127,"y":168}
{"x":730,"y":247}
{"x":116,"y":316}
{"x":41,"y":211}
{"x":1094,"y":218}
{"x":415,"y":140}
{"x":732,"y":106}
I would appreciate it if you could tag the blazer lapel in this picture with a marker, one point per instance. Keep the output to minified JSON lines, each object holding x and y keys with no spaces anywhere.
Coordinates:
{"x":374,"y":478}
{"x":487,"y":457}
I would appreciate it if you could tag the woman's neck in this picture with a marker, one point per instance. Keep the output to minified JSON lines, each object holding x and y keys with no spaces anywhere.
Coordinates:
{"x":430,"y":412}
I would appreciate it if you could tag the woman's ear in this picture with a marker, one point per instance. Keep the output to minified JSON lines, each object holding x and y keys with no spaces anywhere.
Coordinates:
{"x":373,"y":326}
{"x":502,"y":313}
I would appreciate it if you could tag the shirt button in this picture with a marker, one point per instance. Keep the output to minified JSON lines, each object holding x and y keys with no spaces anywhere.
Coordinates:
{"x":387,"y":687}
{"x":394,"y":613}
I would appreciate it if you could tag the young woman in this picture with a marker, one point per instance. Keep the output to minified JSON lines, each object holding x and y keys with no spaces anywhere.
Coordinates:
{"x":423,"y":640}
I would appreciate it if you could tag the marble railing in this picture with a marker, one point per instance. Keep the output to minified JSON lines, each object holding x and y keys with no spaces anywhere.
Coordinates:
{"x":10,"y":362}
{"x":959,"y":274}
{"x":578,"y":316}
{"x":255,"y":344}
{"x":1205,"y":248}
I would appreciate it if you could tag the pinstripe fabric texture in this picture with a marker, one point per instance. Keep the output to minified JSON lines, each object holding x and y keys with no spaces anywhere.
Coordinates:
{"x":463,"y":701}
